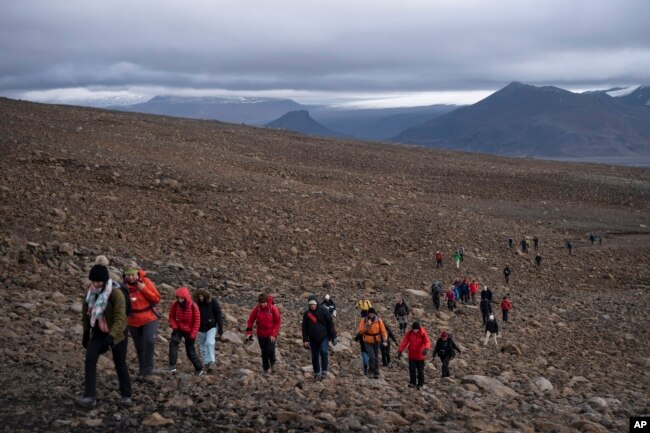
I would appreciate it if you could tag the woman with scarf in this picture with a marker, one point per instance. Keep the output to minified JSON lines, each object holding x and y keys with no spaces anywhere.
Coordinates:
{"x":104,"y":325}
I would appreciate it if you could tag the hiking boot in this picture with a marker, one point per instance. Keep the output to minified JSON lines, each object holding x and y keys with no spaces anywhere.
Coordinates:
{"x":199,"y":372}
{"x":126,"y":401}
{"x":86,"y":402}
{"x":419,"y":387}
{"x":375,"y":376}
{"x":272,"y":369}
{"x":317,"y":377}
{"x":210,"y":366}
{"x":323,"y":375}
{"x":411,"y":385}
{"x":171,"y":369}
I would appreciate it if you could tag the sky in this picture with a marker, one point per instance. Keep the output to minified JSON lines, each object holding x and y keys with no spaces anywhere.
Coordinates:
{"x":363,"y":53}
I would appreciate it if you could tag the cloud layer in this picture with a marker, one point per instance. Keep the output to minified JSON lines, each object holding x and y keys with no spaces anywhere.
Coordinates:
{"x":322,"y":46}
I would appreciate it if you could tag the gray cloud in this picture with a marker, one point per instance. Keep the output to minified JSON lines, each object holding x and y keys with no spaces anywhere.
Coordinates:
{"x":359,"y":46}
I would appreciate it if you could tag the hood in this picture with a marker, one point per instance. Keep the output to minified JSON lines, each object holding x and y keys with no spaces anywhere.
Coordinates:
{"x":205,"y":292}
{"x":183,"y":292}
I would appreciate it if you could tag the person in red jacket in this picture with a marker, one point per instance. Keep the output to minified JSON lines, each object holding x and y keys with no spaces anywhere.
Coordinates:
{"x":473,"y":290}
{"x":506,"y":306}
{"x":418,"y":344}
{"x":143,"y":320}
{"x":268,"y":320}
{"x":185,"y":320}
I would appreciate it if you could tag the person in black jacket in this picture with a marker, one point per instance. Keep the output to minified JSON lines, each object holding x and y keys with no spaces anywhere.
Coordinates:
{"x":211,"y":326}
{"x":317,"y":331}
{"x":506,"y":274}
{"x":401,"y":312}
{"x":329,"y":304}
{"x":446,"y":350}
{"x":486,"y":309}
{"x":436,"y":291}
{"x":486,"y":293}
{"x":385,"y":350}
{"x":491,"y":328}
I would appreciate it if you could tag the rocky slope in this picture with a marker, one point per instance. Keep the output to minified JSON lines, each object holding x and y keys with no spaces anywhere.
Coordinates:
{"x":241,"y":210}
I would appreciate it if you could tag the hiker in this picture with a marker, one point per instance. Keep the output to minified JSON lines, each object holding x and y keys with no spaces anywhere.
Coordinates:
{"x":461,"y":251}
{"x":185,"y":321}
{"x":317,"y":331}
{"x":211,"y":326}
{"x":569,"y":246}
{"x":464,"y":291}
{"x":364,"y":354}
{"x":524,"y":246}
{"x":439,"y":257}
{"x":143,"y":320}
{"x":592,"y":238}
{"x":363,"y":305}
{"x":506,"y":274}
{"x":104,"y":327}
{"x":457,"y":258}
{"x":329,"y":304}
{"x":486,"y":309}
{"x":267,"y":317}
{"x":418,"y":344}
{"x":456,"y":290}
{"x":510,"y":243}
{"x":401,"y":312}
{"x":446,"y":350}
{"x":506,"y":306}
{"x":536,"y":243}
{"x":538,"y":260}
{"x":601,"y":237}
{"x":473,"y":290}
{"x":491,"y":329}
{"x":374,"y":333}
{"x":451,"y":303}
{"x":436,"y":291}
{"x":385,"y":350}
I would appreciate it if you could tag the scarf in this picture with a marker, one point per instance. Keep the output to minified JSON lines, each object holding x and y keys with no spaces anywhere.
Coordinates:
{"x":97,"y":300}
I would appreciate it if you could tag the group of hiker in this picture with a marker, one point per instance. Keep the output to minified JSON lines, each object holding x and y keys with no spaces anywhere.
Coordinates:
{"x":113,"y":309}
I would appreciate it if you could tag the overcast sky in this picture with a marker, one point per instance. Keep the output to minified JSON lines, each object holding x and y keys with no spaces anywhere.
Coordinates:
{"x":406,"y":52}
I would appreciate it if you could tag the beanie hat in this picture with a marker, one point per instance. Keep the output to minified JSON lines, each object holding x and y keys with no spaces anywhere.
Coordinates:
{"x":444,"y":335}
{"x":416,"y":325}
{"x":102,"y":260}
{"x":372,"y":310}
{"x":491,"y":316}
{"x":312,"y":300}
{"x":131,"y":268}
{"x":327,"y":297}
{"x":99,"y":273}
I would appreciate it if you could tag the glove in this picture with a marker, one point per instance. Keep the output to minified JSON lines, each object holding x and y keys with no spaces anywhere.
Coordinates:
{"x":249,"y":339}
{"x":399,"y":355}
{"x":305,"y":344}
{"x":424,"y":352}
{"x":84,"y":341}
{"x":334,"y":313}
{"x":108,"y":343}
{"x":385,"y":344}
{"x":335,"y":341}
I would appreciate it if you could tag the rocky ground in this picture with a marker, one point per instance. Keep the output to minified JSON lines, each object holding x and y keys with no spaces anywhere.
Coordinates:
{"x":241,"y":210}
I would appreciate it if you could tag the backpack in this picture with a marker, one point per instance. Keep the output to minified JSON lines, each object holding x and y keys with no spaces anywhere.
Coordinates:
{"x":127,"y":298}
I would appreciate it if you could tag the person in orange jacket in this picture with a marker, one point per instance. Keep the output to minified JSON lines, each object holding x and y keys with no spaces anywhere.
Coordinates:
{"x":373,"y":332}
{"x":143,"y":320}
{"x":418,"y":344}
{"x":185,"y":321}
{"x":506,"y":306}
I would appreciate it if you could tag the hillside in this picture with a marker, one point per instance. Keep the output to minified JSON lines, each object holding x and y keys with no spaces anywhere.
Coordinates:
{"x":523,"y":120}
{"x":241,"y":209}
{"x":301,"y":121}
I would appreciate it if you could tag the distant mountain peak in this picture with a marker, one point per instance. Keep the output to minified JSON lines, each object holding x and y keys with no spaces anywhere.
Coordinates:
{"x":301,"y":121}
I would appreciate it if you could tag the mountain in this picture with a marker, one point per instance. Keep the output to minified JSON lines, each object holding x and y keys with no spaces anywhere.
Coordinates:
{"x":300,"y":121}
{"x":377,"y":123}
{"x":524,"y":120}
{"x":256,"y":111}
{"x":639,"y":95}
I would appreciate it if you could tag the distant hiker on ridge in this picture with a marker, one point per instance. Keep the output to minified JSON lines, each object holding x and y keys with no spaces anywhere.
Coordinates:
{"x":569,"y":246}
{"x":439,"y":258}
{"x":538,"y":260}
{"x":506,"y":306}
{"x":506,"y":274}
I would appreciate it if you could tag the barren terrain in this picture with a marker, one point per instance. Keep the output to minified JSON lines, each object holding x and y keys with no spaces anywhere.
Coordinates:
{"x":241,"y":210}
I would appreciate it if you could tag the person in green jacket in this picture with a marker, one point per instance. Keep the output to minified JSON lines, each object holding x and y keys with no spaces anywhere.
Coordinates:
{"x":104,"y":328}
{"x":457,"y":258}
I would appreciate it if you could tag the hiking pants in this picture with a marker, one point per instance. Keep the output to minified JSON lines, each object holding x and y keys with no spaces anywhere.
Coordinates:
{"x":416,"y":366}
{"x":403,"y":323}
{"x":445,"y":366}
{"x":487,"y":338}
{"x":457,"y":264}
{"x":177,"y":336}
{"x":97,"y":346}
{"x":373,"y":357}
{"x":268,"y":352}
{"x":438,"y":264}
{"x":206,"y":345}
{"x":436,"y":302}
{"x":505,"y":315}
{"x":385,"y":354}
{"x":319,"y":352}
{"x":451,"y":304}
{"x":144,"y":338}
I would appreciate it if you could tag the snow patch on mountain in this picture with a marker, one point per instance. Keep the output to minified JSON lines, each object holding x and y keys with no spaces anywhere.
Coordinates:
{"x":623,"y":92}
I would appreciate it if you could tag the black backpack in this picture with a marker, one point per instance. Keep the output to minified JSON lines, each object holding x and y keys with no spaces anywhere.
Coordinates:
{"x":127,"y":298}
